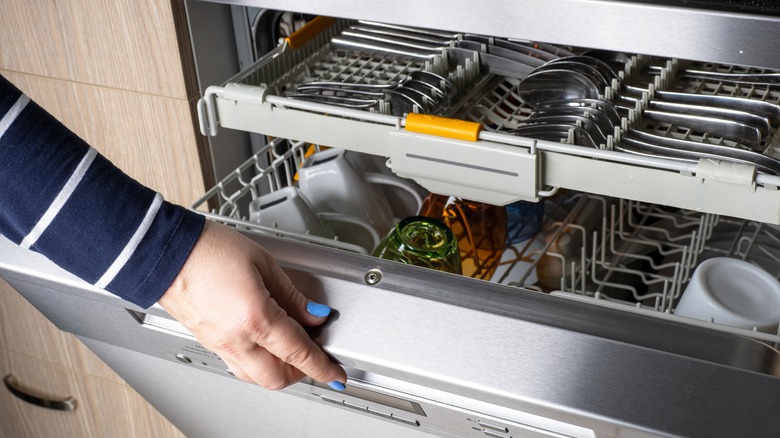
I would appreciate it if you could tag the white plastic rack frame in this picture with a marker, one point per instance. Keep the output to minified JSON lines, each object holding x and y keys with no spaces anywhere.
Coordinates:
{"x":493,"y":167}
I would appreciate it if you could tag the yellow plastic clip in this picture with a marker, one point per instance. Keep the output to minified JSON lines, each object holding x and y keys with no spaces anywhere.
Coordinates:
{"x":443,"y":127}
{"x":309,"y":31}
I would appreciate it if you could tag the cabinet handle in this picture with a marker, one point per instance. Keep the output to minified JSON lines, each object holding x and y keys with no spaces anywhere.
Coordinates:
{"x":69,"y":404}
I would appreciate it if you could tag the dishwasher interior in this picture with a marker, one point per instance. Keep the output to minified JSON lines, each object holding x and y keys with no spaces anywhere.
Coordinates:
{"x":663,"y":164}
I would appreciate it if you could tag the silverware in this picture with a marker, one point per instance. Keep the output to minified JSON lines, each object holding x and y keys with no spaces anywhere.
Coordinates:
{"x":745,"y":118}
{"x":340,"y":91}
{"x":490,"y":63}
{"x":635,"y":140}
{"x":547,"y":85}
{"x":404,"y":34}
{"x":727,"y":129}
{"x":769,"y":111}
{"x":585,"y":77}
{"x":344,"y":101}
{"x":434,"y":79}
{"x":349,"y":85}
{"x":551,"y":48}
{"x":770,"y":79}
{"x":592,"y":128}
{"x":410,"y":44}
{"x":410,"y":29}
{"x":516,"y":47}
{"x":374,"y":47}
{"x":602,"y":120}
{"x":551,"y":132}
{"x":420,"y":91}
{"x":500,"y":52}
{"x":436,"y":94}
{"x":606,"y":108}
{"x":754,"y":107}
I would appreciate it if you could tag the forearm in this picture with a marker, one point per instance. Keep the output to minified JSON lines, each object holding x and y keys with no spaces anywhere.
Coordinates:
{"x":62,"y":199}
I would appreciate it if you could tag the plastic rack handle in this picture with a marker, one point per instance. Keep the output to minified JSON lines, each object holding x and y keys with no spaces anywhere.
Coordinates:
{"x":443,"y":127}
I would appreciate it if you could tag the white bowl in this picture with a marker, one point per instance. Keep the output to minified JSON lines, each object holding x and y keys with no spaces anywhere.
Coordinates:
{"x":732,"y":292}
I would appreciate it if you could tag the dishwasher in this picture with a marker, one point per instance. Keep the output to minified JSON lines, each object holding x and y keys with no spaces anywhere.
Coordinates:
{"x":578,"y":332}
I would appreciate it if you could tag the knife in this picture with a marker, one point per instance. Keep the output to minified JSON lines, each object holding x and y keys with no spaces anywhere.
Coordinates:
{"x":489,"y":63}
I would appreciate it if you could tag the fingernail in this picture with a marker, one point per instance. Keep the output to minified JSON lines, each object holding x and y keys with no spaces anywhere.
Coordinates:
{"x":317,"y":309}
{"x":338,"y":386}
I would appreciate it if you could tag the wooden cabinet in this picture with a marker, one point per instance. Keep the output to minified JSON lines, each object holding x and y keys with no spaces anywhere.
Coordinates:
{"x":55,"y":365}
{"x":133,"y":45}
{"x":102,"y":408}
{"x":120,"y":75}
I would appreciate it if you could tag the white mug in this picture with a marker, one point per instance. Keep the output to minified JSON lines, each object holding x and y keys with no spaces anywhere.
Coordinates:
{"x":332,"y":184}
{"x":287,"y":209}
{"x":732,"y":292}
{"x":404,"y":200}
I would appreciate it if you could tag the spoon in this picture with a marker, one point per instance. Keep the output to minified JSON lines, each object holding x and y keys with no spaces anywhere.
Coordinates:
{"x":563,"y":79}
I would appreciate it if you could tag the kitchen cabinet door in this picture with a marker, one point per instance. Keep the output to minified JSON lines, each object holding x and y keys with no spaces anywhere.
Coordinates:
{"x":27,"y":332}
{"x":100,"y":408}
{"x":125,"y":45}
{"x":42,"y":381}
{"x":48,"y":360}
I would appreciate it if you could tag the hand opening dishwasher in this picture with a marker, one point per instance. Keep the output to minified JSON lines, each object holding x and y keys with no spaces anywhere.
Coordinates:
{"x":644,"y":170}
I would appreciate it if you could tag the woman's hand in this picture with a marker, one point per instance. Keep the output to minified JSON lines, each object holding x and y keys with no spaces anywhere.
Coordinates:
{"x":239,"y":304}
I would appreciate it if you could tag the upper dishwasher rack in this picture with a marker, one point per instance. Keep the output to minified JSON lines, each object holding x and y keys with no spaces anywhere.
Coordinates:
{"x":493,"y":167}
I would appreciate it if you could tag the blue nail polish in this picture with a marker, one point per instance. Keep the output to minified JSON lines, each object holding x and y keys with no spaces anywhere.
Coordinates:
{"x":317,"y":309}
{"x":338,"y":386}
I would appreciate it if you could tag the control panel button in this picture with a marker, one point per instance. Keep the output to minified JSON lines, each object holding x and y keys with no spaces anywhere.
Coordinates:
{"x":408,"y":421}
{"x":494,"y":434}
{"x":382,"y":414}
{"x":332,"y":400}
{"x":182,"y":358}
{"x":355,"y":407}
{"x":493,"y":427}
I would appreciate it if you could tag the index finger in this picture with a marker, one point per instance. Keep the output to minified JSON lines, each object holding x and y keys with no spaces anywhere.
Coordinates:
{"x":288,"y":341}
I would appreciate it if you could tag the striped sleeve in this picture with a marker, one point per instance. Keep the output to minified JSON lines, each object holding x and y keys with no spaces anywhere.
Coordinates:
{"x":61,"y":198}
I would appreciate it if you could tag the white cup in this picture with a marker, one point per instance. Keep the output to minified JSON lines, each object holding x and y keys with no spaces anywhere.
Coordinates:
{"x":287,"y":209}
{"x":404,"y":201}
{"x":332,"y":184}
{"x":732,"y":292}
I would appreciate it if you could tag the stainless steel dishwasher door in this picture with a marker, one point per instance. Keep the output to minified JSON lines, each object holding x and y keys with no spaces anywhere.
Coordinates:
{"x":449,"y":355}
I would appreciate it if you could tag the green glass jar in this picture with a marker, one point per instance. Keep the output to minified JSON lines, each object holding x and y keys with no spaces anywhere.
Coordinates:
{"x":421,"y":241}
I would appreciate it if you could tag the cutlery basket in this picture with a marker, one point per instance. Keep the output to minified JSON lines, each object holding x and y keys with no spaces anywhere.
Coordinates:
{"x":467,"y":138}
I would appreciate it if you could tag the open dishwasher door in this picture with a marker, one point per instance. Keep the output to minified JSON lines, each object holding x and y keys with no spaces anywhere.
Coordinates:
{"x":431,"y":352}
{"x":435,"y":354}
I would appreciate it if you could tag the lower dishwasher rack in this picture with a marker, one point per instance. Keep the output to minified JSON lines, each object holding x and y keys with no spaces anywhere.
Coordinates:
{"x":493,"y":166}
{"x":623,"y":254}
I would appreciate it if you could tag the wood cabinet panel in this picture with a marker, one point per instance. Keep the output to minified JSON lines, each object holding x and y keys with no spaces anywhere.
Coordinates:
{"x":104,"y":408}
{"x":150,"y":138}
{"x":26,"y":331}
{"x":3,"y":319}
{"x":10,"y":426}
{"x":137,"y":45}
{"x":52,"y":383}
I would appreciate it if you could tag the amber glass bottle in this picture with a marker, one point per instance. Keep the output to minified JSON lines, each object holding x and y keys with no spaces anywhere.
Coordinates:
{"x":479,"y":228}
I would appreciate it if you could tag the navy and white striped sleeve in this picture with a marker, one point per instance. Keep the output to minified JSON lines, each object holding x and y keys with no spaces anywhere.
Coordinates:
{"x":61,"y":198}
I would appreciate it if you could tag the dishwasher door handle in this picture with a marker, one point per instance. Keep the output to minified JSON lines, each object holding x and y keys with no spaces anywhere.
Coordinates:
{"x":160,"y":324}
